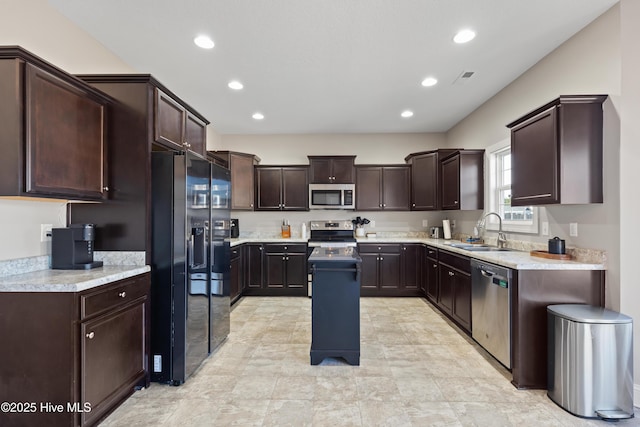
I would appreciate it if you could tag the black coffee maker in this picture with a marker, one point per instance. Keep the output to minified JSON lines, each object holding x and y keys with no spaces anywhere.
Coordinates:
{"x":72,"y":247}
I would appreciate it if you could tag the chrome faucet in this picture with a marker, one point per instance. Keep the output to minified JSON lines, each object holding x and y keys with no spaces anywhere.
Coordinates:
{"x":502,"y":238}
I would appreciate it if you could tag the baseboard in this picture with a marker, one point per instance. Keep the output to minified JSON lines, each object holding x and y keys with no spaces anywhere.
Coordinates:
{"x":636,"y":395}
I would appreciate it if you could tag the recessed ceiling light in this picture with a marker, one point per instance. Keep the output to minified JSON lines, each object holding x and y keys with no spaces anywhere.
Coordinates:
{"x":429,"y":81}
{"x":258,"y":116}
{"x":204,"y":42}
{"x":406,"y":114}
{"x":464,"y":36}
{"x":235,"y":85}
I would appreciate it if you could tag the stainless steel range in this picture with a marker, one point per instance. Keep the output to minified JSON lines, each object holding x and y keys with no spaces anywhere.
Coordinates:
{"x":330,"y":234}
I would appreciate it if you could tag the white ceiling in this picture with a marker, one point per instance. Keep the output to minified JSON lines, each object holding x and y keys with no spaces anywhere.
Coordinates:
{"x":332,"y":66}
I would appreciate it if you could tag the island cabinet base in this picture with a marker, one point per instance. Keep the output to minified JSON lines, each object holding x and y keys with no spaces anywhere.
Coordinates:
{"x":335,"y":312}
{"x":71,"y":358}
{"x":532,"y":292}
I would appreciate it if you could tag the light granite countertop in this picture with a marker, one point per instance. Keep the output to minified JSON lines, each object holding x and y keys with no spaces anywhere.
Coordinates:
{"x":68,"y":280}
{"x":515,"y":259}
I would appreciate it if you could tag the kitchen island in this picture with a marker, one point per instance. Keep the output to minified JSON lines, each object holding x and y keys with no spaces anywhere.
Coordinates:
{"x":335,"y":305}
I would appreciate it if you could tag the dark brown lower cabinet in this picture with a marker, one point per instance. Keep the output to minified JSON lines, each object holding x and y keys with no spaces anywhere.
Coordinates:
{"x":86,"y":351}
{"x":381,"y":269}
{"x":236,"y":271}
{"x":411,"y":268}
{"x":276,"y":269}
{"x":430,"y":281}
{"x":454,"y":292}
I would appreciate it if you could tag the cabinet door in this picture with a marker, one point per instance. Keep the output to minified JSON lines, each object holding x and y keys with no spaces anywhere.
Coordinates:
{"x":268,"y":188}
{"x":396,"y":188}
{"x":450,"y":183}
{"x":369,"y":279}
{"x":242,"y":194}
{"x":424,"y":182}
{"x":295,"y":189}
{"x":275,"y":274}
{"x":432,"y":283}
{"x":296,"y":270}
{"x":389,"y":270}
{"x":461,"y":310}
{"x":411,"y":266}
{"x":535,"y":160}
{"x":255,"y":262}
{"x":65,"y":143}
{"x":112,"y":353}
{"x":320,"y":171}
{"x":169,"y":121}
{"x":342,"y":171}
{"x":445,"y":295}
{"x":369,"y":188}
{"x":196,"y":134}
{"x":235,"y":273}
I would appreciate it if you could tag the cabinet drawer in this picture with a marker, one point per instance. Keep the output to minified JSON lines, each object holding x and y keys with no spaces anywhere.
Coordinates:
{"x":382,"y":248}
{"x":113,"y":295}
{"x":281,"y":248}
{"x":432,"y":253}
{"x":459,"y":262}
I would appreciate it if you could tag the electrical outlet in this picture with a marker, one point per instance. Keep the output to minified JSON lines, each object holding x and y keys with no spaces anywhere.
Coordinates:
{"x":573,"y":229}
{"x":45,"y":232}
{"x":425,"y":223}
{"x":545,"y":228}
{"x":453,"y":223}
{"x":372,"y":224}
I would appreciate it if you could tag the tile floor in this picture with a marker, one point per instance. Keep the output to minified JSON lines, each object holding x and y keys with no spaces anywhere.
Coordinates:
{"x":416,"y":369}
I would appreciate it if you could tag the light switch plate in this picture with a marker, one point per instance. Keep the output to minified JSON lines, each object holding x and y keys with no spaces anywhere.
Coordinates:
{"x":545,"y":228}
{"x":453,"y":223}
{"x":45,"y":232}
{"x":573,"y":229}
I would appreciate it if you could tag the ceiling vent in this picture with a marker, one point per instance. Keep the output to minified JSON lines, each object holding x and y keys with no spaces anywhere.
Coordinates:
{"x":464,"y":77}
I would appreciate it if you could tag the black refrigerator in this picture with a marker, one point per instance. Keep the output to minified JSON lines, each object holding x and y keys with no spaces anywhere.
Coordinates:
{"x":189,"y":269}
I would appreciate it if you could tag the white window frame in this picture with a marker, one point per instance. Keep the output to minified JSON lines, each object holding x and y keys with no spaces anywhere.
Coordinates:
{"x":491,"y":190}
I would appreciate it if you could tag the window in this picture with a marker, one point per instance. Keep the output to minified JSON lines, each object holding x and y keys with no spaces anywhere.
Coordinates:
{"x":521,"y":219}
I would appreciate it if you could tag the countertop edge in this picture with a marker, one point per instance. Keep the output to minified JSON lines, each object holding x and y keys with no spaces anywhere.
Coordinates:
{"x":68,"y":280}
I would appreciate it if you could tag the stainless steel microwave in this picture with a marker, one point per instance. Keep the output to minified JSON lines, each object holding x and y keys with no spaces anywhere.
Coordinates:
{"x":332,"y":196}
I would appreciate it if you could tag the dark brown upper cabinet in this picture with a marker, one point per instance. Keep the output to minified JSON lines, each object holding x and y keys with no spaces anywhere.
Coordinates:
{"x":242,"y":176}
{"x":282,"y":188}
{"x":123,"y":221}
{"x":383,"y":188}
{"x":176,"y":127}
{"x":425,"y":179}
{"x":331,"y":169}
{"x":462,"y":180}
{"x":556,"y":153}
{"x":53,"y":136}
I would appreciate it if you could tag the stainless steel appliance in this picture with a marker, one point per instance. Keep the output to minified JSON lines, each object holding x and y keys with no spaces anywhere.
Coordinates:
{"x":72,"y":247}
{"x":491,"y":309}
{"x":329,"y":234}
{"x":436,"y":232}
{"x":189,"y":265}
{"x":590,"y":361}
{"x":332,"y":196}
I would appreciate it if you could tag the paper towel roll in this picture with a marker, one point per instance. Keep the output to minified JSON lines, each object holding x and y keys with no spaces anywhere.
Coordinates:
{"x":446,"y":226}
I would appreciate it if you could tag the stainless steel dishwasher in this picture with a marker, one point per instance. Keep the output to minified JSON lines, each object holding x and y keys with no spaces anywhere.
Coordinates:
{"x":491,"y":309}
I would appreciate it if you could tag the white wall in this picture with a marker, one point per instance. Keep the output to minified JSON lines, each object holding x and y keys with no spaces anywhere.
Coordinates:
{"x":37,"y":27}
{"x":630,"y":173}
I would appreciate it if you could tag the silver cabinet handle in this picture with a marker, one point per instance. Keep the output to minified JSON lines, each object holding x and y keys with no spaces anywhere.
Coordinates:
{"x":381,"y":258}
{"x":455,"y":202}
{"x":384,"y":205}
{"x":451,"y":273}
{"x":404,"y":248}
{"x":435,"y":265}
{"x":260,"y":248}
{"x":122,"y":294}
{"x":90,"y":335}
{"x":287,"y":258}
{"x":414,"y":205}
{"x":285,"y":248}
{"x":105,"y":188}
{"x":283,"y":258}
{"x":380,"y":205}
{"x":186,"y":144}
{"x":251,"y":205}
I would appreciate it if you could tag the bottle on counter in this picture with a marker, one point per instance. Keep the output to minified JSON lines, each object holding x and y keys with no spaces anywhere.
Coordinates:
{"x":303,"y":230}
{"x":286,"y":229}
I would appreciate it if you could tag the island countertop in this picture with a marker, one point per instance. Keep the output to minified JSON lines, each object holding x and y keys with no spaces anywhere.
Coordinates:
{"x":68,"y":280}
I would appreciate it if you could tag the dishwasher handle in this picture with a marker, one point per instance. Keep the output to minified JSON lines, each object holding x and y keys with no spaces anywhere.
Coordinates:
{"x":486,"y":273}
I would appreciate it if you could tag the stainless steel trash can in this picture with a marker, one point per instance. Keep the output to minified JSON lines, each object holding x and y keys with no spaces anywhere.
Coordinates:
{"x":590,"y":361}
